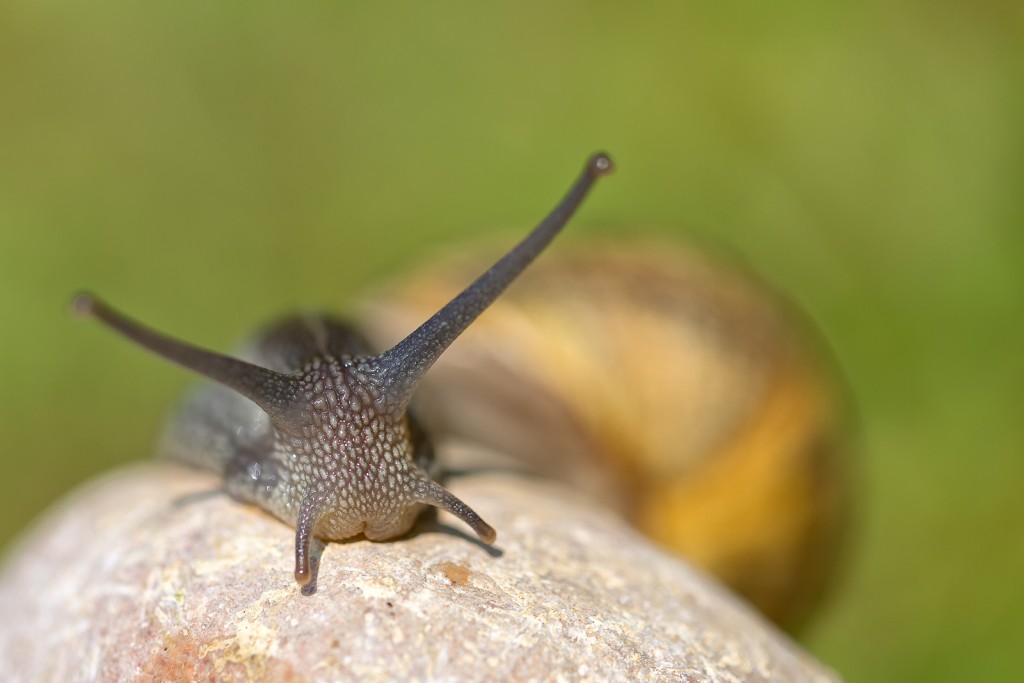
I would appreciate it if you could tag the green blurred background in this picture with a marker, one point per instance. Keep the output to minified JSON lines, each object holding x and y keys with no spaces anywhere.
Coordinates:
{"x":207,"y":165}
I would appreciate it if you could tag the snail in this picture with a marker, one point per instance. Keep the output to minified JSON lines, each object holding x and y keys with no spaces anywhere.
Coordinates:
{"x":672,"y":387}
{"x":314,"y":428}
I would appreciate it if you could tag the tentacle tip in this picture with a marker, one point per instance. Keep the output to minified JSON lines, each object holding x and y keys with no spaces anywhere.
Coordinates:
{"x":600,"y":165}
{"x":303,"y":577}
{"x":306,"y":581}
{"x":486,"y":533}
{"x":83,"y":304}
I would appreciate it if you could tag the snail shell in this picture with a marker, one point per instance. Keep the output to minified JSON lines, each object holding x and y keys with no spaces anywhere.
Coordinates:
{"x":678,"y":390}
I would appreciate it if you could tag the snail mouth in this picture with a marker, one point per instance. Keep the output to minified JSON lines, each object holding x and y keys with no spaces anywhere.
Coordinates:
{"x":339,"y":528}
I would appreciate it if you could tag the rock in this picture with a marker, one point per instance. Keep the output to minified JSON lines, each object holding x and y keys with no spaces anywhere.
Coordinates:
{"x":150,"y":574}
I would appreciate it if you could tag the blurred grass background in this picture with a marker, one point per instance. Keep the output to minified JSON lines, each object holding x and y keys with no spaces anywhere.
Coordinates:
{"x":209,"y":165}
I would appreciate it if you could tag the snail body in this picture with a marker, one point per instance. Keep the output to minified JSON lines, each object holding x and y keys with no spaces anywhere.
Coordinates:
{"x":315,"y":428}
{"x":344,"y":469}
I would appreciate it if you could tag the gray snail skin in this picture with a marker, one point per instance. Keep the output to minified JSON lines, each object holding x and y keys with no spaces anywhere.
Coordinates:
{"x":314,"y":428}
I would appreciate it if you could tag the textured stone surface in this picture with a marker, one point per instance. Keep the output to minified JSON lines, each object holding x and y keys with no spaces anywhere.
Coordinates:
{"x":141,"y":575}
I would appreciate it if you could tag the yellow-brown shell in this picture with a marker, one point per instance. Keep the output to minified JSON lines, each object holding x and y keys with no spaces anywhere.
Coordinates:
{"x":677,"y":389}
